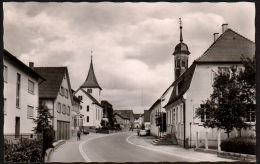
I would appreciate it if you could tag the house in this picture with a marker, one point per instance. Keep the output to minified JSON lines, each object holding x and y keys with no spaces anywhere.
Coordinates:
{"x":127,"y":114}
{"x":138,"y":120}
{"x":107,"y":112}
{"x":193,"y":85}
{"x":21,"y":96}
{"x":157,"y":113}
{"x":76,"y":117}
{"x":90,"y":95}
{"x":55,"y":94}
{"x":146,"y":121}
{"x":123,"y":121}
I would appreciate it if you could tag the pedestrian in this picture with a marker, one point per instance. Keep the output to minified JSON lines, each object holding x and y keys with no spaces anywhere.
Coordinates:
{"x":138,"y":131}
{"x":78,"y":134}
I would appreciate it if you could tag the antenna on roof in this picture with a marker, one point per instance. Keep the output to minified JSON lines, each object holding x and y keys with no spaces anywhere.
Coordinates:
{"x":180,"y":30}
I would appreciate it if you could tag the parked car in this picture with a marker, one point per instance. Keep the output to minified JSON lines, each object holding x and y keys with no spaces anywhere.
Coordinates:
{"x":85,"y":132}
{"x":143,"y":133}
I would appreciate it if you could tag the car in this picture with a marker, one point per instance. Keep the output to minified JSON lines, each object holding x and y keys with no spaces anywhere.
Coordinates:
{"x":143,"y":133}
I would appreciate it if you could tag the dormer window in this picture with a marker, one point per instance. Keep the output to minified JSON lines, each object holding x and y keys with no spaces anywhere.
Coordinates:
{"x":178,"y":62}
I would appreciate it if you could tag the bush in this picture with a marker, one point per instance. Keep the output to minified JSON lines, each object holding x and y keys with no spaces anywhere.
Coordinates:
{"x":239,"y":145}
{"x":26,"y":150}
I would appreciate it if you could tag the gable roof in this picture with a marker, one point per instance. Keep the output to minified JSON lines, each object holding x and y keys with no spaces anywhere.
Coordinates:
{"x":146,"y":116}
{"x":229,"y":47}
{"x":11,"y":58}
{"x":121,"y":116}
{"x":91,"y":98}
{"x":185,"y":79}
{"x":91,"y":80}
{"x":54,"y":76}
{"x":125,"y":113}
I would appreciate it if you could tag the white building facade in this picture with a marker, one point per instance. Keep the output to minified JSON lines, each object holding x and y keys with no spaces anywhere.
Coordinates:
{"x":55,"y":94}
{"x":194,"y":86}
{"x":21,"y":96}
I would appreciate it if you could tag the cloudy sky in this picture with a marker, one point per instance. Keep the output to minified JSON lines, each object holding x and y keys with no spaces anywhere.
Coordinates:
{"x":132,"y":42}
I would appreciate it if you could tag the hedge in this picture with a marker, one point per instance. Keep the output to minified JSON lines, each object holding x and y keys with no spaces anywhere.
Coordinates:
{"x":26,"y":150}
{"x":239,"y":145}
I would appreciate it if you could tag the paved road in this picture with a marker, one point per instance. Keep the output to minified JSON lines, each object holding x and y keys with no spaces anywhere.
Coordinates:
{"x":115,"y":148}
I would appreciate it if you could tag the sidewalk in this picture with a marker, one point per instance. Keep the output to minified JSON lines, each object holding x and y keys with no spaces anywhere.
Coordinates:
{"x":69,"y":151}
{"x":146,"y":141}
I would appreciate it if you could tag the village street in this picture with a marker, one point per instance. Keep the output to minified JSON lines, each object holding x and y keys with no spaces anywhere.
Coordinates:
{"x":124,"y":147}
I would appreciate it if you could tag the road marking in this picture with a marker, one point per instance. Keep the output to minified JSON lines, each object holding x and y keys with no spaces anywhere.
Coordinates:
{"x":160,"y":151}
{"x":83,"y":153}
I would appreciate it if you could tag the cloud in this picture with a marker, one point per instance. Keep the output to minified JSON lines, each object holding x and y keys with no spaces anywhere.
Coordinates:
{"x":132,"y":42}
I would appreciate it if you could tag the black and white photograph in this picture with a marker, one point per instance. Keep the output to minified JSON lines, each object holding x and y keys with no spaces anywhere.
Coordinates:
{"x":129,"y":82}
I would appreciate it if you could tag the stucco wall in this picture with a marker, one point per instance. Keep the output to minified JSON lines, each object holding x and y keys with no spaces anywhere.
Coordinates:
{"x":95,"y":112}
{"x":26,"y":98}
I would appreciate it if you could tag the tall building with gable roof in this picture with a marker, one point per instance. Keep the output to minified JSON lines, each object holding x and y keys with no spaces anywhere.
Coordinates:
{"x":194,"y":85}
{"x":90,"y":95}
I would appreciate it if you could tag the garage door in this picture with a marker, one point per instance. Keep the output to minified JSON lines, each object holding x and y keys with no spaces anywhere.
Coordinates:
{"x":63,"y":130}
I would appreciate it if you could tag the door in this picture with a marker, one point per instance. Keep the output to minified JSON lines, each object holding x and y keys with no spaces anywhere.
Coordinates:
{"x":17,"y":127}
{"x":173,"y":130}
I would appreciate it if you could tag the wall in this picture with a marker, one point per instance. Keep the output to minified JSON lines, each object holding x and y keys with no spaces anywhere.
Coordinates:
{"x":154,"y":129}
{"x":200,"y":89}
{"x":95,"y":112}
{"x":26,"y":98}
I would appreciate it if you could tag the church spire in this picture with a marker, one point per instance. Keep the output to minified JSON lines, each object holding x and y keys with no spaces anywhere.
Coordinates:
{"x":181,"y":39}
{"x":91,"y":80}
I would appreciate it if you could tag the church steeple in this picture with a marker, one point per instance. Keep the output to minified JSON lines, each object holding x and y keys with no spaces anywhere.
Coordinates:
{"x":181,"y":55}
{"x":91,"y":80}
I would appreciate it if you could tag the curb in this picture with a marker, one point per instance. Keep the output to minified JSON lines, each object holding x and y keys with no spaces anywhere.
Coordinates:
{"x":237,"y":156}
{"x":50,"y":150}
{"x":206,"y":151}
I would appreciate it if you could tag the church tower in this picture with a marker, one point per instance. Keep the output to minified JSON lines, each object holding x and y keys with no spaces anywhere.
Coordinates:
{"x":181,"y":56}
{"x":91,"y":85}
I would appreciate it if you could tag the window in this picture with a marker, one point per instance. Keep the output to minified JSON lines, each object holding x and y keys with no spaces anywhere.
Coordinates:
{"x":178,"y":62}
{"x":213,"y":76}
{"x":80,"y":107}
{"x":61,"y":91}
{"x":63,"y":109}
{"x":89,"y":90}
{"x":87,"y":118}
{"x":58,"y":107}
{"x":18,"y":87}
{"x":224,"y":71}
{"x":204,"y":117}
{"x":30,"y":86}
{"x":29,"y":111}
{"x":250,"y":113}
{"x":68,"y":110}
{"x":87,"y":108}
{"x":5,"y":73}
{"x":177,"y":115}
{"x":5,"y":106}
{"x":183,"y":63}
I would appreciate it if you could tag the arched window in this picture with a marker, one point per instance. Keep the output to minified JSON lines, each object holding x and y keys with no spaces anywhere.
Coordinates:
{"x":87,"y":108}
{"x":183,"y":63}
{"x":68,"y":113}
{"x":87,"y":118}
{"x":58,"y":107}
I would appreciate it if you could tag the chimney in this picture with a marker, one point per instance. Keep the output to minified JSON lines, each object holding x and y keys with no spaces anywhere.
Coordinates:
{"x":224,"y":27}
{"x":31,"y":65}
{"x":215,"y":36}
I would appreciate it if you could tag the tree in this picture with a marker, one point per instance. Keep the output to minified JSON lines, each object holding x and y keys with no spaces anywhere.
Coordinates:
{"x":44,"y":127}
{"x":226,"y":107}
